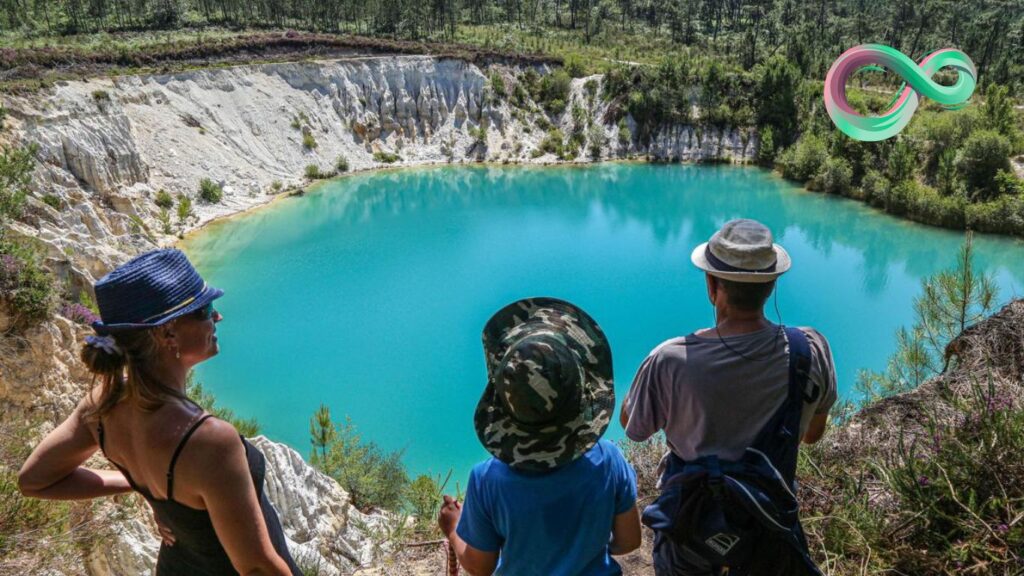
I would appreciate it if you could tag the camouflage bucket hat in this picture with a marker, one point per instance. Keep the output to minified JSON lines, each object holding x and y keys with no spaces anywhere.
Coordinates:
{"x":549,"y":394}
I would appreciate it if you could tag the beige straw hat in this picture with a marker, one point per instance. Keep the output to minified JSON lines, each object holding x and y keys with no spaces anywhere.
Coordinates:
{"x":742,"y":251}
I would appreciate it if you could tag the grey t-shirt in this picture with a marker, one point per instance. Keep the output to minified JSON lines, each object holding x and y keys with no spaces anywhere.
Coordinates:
{"x":709,"y":399}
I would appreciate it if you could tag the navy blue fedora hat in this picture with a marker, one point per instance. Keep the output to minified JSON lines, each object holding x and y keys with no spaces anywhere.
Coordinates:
{"x":149,"y":290}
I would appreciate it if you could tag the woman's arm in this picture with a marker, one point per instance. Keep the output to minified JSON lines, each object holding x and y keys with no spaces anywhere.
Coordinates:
{"x":54,"y":469}
{"x":214,"y":464}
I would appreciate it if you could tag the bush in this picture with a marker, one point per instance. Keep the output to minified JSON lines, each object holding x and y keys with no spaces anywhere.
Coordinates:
{"x":498,"y":85}
{"x":553,"y":143}
{"x":184,"y":208}
{"x":423,"y":497}
{"x":766,"y":150}
{"x":78,"y":313}
{"x":52,"y":201}
{"x":247,"y":427}
{"x":372,"y":477}
{"x":341,"y":164}
{"x":834,"y":177}
{"x":804,"y":159}
{"x":574,"y":66}
{"x":386,"y":157}
{"x":983,"y":155}
{"x":164,"y":217}
{"x":874,"y":187}
{"x":625,"y":136}
{"x":100,"y":96}
{"x":210,"y":191}
{"x":16,"y":167}
{"x":554,"y":91}
{"x":308,"y":141}
{"x":26,"y":286}
{"x":164,"y":200}
{"x":596,"y":139}
{"x":313,"y":172}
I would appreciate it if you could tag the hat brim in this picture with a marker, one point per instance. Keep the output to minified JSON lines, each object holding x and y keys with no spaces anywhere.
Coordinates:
{"x":209,"y":294}
{"x":556,"y":445}
{"x":782,"y":264}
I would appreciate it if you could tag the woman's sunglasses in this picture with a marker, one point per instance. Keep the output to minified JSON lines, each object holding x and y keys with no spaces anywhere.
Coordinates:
{"x":204,"y":313}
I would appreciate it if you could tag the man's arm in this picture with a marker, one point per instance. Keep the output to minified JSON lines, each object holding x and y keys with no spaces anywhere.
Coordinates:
{"x":816,"y":429}
{"x":476,"y":562}
{"x":624,"y":414}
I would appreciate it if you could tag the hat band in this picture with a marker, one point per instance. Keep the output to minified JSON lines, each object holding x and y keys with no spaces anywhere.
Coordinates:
{"x":186,"y":302}
{"x":723,"y":267}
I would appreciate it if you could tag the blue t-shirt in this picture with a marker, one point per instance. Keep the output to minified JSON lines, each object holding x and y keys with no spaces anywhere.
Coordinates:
{"x":549,"y":524}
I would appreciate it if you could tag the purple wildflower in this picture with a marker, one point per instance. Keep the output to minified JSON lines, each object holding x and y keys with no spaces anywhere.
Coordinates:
{"x":78,"y":313}
{"x":1002,"y":528}
{"x":923,"y":481}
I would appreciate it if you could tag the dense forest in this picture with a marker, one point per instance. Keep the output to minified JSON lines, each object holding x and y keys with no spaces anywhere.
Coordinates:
{"x":809,"y":33}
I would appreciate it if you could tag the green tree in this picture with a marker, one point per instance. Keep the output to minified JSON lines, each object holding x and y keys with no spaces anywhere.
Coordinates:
{"x":983,"y":155}
{"x":950,"y":301}
{"x":16,"y":167}
{"x":777,"y":86}
{"x":321,"y":433}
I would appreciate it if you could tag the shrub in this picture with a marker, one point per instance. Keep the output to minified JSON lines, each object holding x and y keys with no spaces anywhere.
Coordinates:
{"x":553,"y":142}
{"x":766,"y":149}
{"x":498,"y":85}
{"x":78,"y":314}
{"x":184,"y":208}
{"x":341,"y":164}
{"x":16,"y":167}
{"x":313,"y":172}
{"x":52,"y":201}
{"x":276,"y":186}
{"x":804,"y":159}
{"x":247,"y":427}
{"x":386,"y":157}
{"x":423,"y":497}
{"x":554,"y":91}
{"x":296,"y":125}
{"x":25,"y":284}
{"x":163,"y":199}
{"x":834,"y":177}
{"x":574,"y":66}
{"x":164,"y":217}
{"x":100,"y":96}
{"x":308,"y":141}
{"x":597,"y":140}
{"x":874,"y":187}
{"x":983,"y":155}
{"x":210,"y":191}
{"x":373,"y":478}
{"x":625,"y":136}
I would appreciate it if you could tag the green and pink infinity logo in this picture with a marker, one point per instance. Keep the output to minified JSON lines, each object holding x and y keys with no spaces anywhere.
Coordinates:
{"x":918,"y":76}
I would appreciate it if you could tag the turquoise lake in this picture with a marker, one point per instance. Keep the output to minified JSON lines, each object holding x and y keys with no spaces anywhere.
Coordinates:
{"x":369,"y":293}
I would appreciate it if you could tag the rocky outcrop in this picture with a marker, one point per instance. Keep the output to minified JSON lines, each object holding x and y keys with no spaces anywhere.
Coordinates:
{"x":107,"y":146}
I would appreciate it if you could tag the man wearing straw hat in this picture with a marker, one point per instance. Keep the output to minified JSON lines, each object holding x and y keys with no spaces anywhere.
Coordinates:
{"x":555,"y":499}
{"x":724,"y":394}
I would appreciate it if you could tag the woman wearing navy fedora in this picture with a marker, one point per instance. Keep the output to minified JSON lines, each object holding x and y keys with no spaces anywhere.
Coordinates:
{"x":202,"y":479}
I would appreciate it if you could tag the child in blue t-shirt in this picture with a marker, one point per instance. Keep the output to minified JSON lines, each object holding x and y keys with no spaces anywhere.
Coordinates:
{"x":555,"y":500}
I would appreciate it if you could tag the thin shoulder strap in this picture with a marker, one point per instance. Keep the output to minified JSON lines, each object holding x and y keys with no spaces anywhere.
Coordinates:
{"x":177,"y":452}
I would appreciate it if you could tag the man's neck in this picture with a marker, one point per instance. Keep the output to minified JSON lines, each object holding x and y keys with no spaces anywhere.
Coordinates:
{"x":733,"y":322}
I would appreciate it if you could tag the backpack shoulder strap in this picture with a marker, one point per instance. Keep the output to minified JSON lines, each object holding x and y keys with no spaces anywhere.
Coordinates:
{"x":800,"y":365}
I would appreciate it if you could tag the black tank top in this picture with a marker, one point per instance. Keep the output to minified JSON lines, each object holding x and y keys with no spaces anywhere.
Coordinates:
{"x":197,"y":551}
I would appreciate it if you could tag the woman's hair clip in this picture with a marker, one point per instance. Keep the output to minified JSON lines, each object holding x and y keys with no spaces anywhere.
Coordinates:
{"x":105,"y":343}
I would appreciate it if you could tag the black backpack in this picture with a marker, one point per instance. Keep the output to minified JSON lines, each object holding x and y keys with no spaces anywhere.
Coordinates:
{"x":743,"y":513}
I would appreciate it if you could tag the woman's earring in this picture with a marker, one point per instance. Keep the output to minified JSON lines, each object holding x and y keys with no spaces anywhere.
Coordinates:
{"x":177,"y":353}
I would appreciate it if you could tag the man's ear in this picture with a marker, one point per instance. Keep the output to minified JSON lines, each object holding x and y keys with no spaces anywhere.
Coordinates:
{"x":712,"y":287}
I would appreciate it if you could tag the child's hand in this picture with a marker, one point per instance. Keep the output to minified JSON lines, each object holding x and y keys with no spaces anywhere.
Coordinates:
{"x":448,"y":517}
